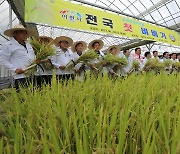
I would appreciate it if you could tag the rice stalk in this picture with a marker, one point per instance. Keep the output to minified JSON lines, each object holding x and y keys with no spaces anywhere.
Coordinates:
{"x":140,"y":114}
{"x":42,"y":52}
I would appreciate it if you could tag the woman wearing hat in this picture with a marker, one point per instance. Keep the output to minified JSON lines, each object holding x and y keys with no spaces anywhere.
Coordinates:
{"x":45,"y":39}
{"x":44,"y":75}
{"x":96,"y":45}
{"x":114,"y":50}
{"x":17,"y":54}
{"x":63,"y":57}
{"x":112,"y":69}
{"x":126,"y":55}
{"x":78,"y":48}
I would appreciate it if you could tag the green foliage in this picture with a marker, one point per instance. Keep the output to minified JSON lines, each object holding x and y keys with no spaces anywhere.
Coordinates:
{"x":140,"y":114}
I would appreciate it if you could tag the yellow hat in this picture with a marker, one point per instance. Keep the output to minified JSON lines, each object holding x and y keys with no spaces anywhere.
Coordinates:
{"x":10,"y":32}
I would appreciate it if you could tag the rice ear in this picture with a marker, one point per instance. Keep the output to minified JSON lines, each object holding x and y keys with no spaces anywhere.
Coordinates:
{"x":87,"y":56}
{"x":136,"y":65}
{"x":114,"y":60}
{"x":42,"y":52}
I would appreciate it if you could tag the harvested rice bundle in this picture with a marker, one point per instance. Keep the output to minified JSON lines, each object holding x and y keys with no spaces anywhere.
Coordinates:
{"x":153,"y":65}
{"x":112,"y":59}
{"x":135,"y":67}
{"x":168,"y":66}
{"x":31,"y":69}
{"x":70,"y":65}
{"x":167,"y":63}
{"x":176,"y":66}
{"x":47,"y":65}
{"x":42,"y":52}
{"x":87,"y":56}
{"x":84,"y":59}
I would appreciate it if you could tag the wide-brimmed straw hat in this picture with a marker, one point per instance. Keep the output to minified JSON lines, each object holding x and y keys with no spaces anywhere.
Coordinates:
{"x":63,"y":38}
{"x":10,"y":32}
{"x":73,"y":47}
{"x":46,"y":37}
{"x":99,"y":41}
{"x":113,"y":46}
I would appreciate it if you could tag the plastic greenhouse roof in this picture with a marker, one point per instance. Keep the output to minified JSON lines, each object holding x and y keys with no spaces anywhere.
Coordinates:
{"x":162,"y":12}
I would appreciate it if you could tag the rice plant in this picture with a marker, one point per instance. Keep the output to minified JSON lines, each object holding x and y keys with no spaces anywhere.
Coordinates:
{"x":140,"y":114}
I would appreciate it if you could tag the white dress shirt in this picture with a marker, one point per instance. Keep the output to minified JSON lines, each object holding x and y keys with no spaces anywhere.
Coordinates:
{"x":176,"y":60}
{"x":75,"y":57}
{"x":144,"y":61}
{"x":95,"y":61}
{"x":81,"y":76}
{"x":163,"y":59}
{"x":155,"y":57}
{"x":62,"y":59}
{"x":124,"y":70}
{"x":15,"y":56}
{"x":160,"y":60}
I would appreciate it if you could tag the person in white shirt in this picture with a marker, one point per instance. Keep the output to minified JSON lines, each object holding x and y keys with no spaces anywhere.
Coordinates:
{"x":113,"y":70}
{"x":17,"y":54}
{"x":137,"y":56}
{"x":165,"y":56}
{"x":155,"y":54}
{"x":147,"y":56}
{"x":96,"y":45}
{"x":62,"y":58}
{"x":174,"y":57}
{"x":45,"y":39}
{"x":178,"y":57}
{"x":78,"y":48}
{"x":126,"y":54}
{"x":44,"y":75}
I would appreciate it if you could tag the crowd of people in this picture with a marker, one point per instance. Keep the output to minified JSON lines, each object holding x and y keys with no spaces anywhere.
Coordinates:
{"x":17,"y":54}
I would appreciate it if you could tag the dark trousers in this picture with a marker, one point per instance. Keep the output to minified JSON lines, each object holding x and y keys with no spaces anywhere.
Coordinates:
{"x":65,"y":77}
{"x":44,"y":79}
{"x":23,"y":82}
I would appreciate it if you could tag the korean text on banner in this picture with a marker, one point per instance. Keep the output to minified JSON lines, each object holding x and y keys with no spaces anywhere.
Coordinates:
{"x":71,"y":15}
